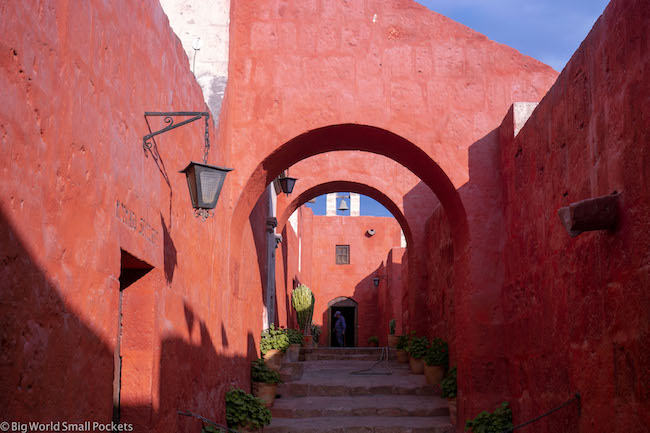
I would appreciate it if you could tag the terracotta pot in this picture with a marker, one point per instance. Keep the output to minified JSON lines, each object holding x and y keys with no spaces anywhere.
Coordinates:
{"x":248,"y":429}
{"x":452,"y":410}
{"x":265,"y":392}
{"x":434,"y":373}
{"x":293,"y":353}
{"x":273,"y":359}
{"x":402,"y":356}
{"x":416,"y":365}
{"x":307,"y":340}
{"x":373,"y":344}
{"x":393,"y":340}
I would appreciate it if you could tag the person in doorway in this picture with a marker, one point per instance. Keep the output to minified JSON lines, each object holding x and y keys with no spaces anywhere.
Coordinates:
{"x":339,"y":329}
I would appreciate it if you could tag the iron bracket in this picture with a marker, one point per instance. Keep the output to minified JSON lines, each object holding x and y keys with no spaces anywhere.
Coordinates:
{"x":169,"y":120}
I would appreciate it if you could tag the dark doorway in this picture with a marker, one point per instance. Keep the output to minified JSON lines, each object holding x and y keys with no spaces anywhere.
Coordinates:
{"x":348,"y":309}
{"x":348,"y":314}
{"x":131,"y":270}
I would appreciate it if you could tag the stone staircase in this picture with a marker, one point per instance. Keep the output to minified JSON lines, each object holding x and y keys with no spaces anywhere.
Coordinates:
{"x":320,"y":395}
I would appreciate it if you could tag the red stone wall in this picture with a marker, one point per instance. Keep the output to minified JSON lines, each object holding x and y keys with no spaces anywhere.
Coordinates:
{"x":75,"y":81}
{"x":577,"y":310}
{"x":389,"y":295}
{"x":329,"y":281}
{"x":440,"y":279}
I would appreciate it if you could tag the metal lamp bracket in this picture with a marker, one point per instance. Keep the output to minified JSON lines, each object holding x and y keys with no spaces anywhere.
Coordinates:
{"x":169,"y":120}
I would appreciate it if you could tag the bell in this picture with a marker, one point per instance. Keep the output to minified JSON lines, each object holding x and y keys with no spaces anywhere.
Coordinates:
{"x":344,"y":205}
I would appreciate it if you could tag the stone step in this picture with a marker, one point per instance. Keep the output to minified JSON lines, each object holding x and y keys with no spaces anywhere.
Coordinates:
{"x":375,"y":405}
{"x":361,"y":424}
{"x":343,"y":350}
{"x":291,"y":371}
{"x":341,"y":357}
{"x":302,"y":389}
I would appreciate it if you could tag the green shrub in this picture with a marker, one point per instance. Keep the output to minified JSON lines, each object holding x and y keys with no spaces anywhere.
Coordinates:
{"x":391,"y":326}
{"x":373,"y":339}
{"x":243,"y":409}
{"x":496,"y":422}
{"x":403,"y":342}
{"x":418,"y":347}
{"x":448,"y":384}
{"x":438,"y":353}
{"x":295,"y":336}
{"x":274,"y":338}
{"x":315,"y":332}
{"x":302,"y":300}
{"x":260,"y":372}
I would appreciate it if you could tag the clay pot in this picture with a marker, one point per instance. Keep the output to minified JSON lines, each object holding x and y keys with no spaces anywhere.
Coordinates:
{"x":307,"y":340}
{"x":248,"y":429}
{"x":434,"y":373}
{"x":402,"y":356}
{"x":416,"y":365}
{"x":373,"y":344}
{"x":293,"y":353}
{"x":452,"y":410}
{"x":273,"y":359}
{"x":265,"y":392}
{"x":393,"y":340}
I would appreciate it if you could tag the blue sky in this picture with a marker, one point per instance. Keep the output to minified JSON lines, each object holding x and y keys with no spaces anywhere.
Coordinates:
{"x":549,"y":30}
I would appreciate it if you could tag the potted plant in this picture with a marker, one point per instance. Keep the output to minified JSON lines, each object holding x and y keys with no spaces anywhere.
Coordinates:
{"x":302,"y":300}
{"x":417,"y":348}
{"x":273,"y":344}
{"x":315,"y":333}
{"x":295,"y":340}
{"x":448,"y":386}
{"x":402,"y":344}
{"x":265,"y":382}
{"x":392,"y":338}
{"x":245,"y":412}
{"x":373,"y":341}
{"x":436,"y":361}
{"x":496,"y":422}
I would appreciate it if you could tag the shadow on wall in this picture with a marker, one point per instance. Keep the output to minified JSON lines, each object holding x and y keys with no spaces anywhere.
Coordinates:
{"x":55,"y":367}
{"x":256,"y":219}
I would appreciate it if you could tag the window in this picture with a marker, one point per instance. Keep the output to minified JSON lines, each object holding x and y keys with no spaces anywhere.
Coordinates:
{"x":343,"y":254}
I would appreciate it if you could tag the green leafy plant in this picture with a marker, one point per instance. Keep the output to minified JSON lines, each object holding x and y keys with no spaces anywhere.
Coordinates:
{"x":302,"y":300}
{"x":260,"y":372}
{"x":274,"y":338}
{"x":438,"y":353}
{"x":391,"y":326}
{"x":496,"y":422}
{"x":315,"y":332}
{"x":374,"y":339}
{"x":295,"y":336}
{"x":209,"y":428}
{"x":448,"y":384}
{"x":418,"y":347}
{"x":243,"y":410}
{"x":403,"y":342}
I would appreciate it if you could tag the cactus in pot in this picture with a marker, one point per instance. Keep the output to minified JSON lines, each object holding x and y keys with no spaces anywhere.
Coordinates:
{"x":302,"y":300}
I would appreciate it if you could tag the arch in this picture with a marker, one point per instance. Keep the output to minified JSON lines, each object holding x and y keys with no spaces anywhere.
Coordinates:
{"x":364,"y":138}
{"x":347,"y":186}
{"x":352,"y":137}
{"x":342,"y":301}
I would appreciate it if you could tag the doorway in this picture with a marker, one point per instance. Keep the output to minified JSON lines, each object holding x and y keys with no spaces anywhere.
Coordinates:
{"x":349,"y":310}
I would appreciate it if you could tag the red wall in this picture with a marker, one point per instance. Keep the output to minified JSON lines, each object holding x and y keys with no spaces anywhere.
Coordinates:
{"x":328,"y":280}
{"x":440,"y":278}
{"x":75,"y":81}
{"x":577,"y":310}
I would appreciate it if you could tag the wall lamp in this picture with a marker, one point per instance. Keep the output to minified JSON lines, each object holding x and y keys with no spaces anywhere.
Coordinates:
{"x":285,"y":182}
{"x":203,"y":180}
{"x":375,"y":281}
